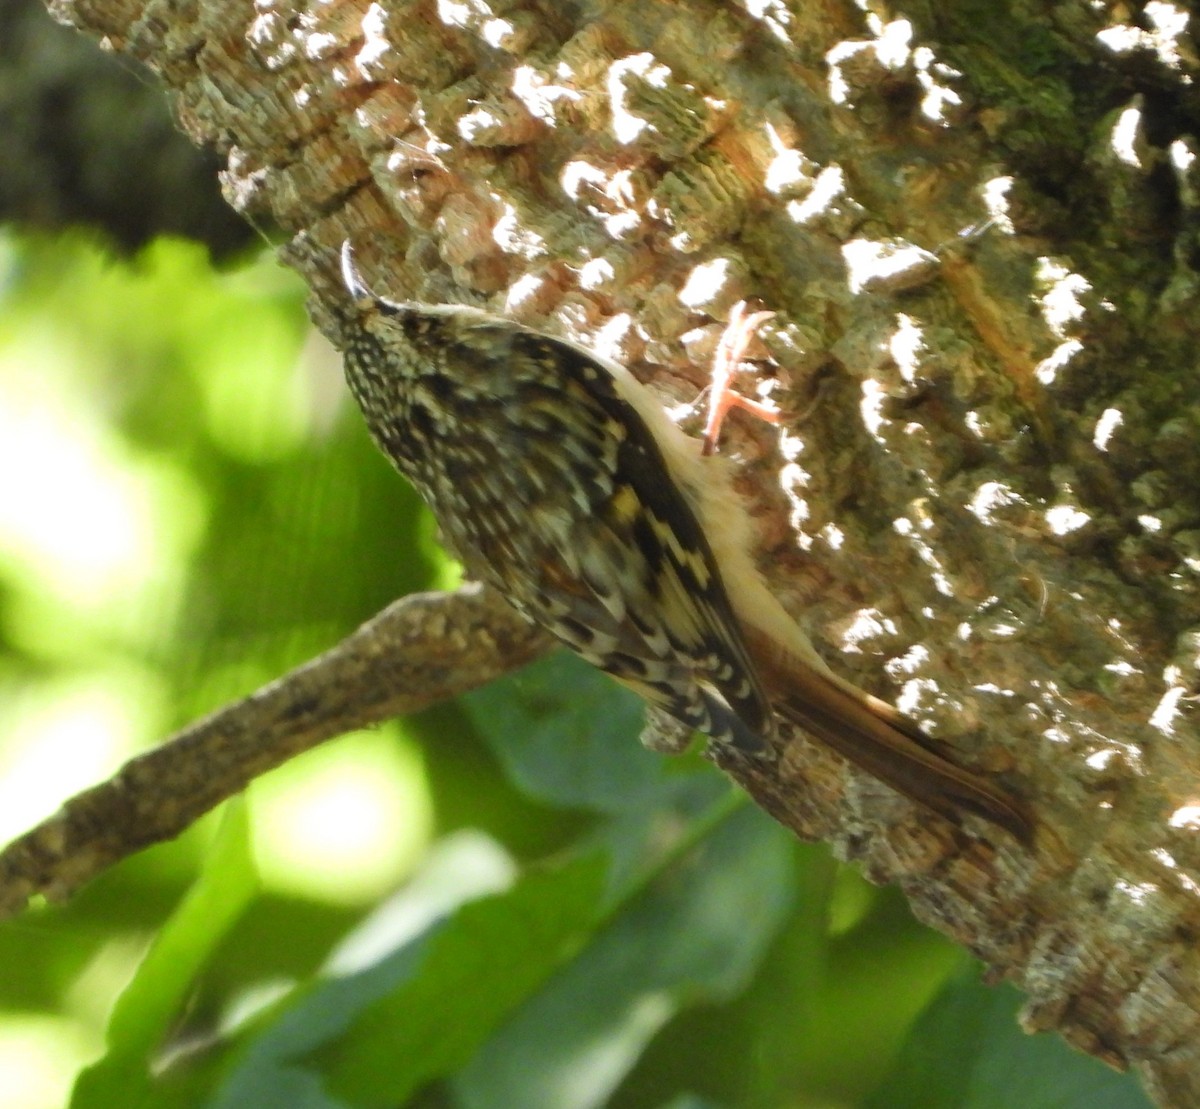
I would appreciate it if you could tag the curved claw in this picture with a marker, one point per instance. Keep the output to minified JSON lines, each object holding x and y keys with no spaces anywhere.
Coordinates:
{"x":734,"y":341}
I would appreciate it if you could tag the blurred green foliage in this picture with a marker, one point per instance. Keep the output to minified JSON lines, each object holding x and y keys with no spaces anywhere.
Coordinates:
{"x":504,"y":902}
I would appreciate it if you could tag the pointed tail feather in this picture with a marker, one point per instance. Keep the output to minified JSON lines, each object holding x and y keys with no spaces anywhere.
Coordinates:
{"x":876,"y":738}
{"x":850,"y":728}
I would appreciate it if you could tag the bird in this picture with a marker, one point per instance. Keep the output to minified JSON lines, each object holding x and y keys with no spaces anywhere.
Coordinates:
{"x":560,"y":480}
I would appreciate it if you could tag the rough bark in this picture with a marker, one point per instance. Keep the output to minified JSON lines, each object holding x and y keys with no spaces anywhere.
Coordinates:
{"x":985,"y":505}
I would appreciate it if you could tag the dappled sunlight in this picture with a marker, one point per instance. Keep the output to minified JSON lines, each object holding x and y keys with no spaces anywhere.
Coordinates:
{"x":833,"y":535}
{"x":39,"y":1056}
{"x":1066,"y":727}
{"x":1137,"y":893}
{"x":169,"y":508}
{"x":706,"y":281}
{"x":864,"y":626}
{"x":1102,"y":759}
{"x":914,"y":697}
{"x":346,"y":821}
{"x":84,"y":520}
{"x":1064,"y":304}
{"x":828,"y":187}
{"x":1127,"y":137}
{"x":1065,"y":518}
{"x":1049,"y":368}
{"x":915,"y":693}
{"x":906,"y":347}
{"x":1161,"y":30}
{"x":513,"y":234}
{"x":872,"y":408}
{"x":886,"y":266}
{"x":910,"y":529}
{"x":1186,"y":816}
{"x":61,"y":735}
{"x":990,"y":498}
{"x":624,"y":73}
{"x":1185,"y":880}
{"x":99,"y":516}
{"x":1110,"y":419}
{"x":458,"y":868}
{"x":1061,"y":298}
{"x":996,"y":200}
{"x":1168,"y":710}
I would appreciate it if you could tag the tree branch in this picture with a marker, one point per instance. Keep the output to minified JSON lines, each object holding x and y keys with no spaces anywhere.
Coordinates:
{"x":418,"y":652}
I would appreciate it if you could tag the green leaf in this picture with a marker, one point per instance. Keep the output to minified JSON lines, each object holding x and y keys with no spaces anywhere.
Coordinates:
{"x":968,"y":1052}
{"x":377,"y":1035}
{"x":696,"y":935}
{"x":568,"y":735}
{"x":491,"y":956}
{"x":690,"y":1101}
{"x":150,"y":1004}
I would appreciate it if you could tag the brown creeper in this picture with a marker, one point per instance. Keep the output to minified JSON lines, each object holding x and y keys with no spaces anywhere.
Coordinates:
{"x":559,"y":479}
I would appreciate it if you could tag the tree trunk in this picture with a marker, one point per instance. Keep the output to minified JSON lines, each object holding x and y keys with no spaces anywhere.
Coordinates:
{"x":977,"y":229}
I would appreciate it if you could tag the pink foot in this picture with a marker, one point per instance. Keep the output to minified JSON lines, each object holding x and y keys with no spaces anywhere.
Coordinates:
{"x":730,"y":349}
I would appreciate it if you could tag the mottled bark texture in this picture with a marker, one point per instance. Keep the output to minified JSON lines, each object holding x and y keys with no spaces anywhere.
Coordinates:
{"x":985,"y":501}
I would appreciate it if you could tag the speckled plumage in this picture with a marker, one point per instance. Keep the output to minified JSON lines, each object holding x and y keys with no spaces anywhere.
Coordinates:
{"x":558,"y":479}
{"x":550,"y":487}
